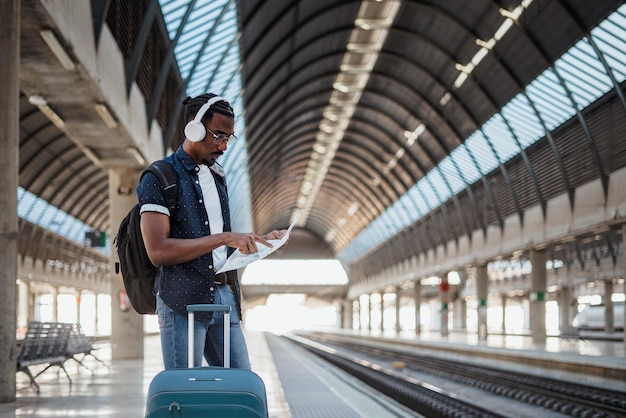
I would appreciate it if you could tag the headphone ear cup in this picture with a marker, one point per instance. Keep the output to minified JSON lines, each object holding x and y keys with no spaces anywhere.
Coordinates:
{"x":195,"y":131}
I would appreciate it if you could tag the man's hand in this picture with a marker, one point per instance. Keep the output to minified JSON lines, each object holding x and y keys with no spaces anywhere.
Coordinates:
{"x":246,"y":243}
{"x":276,"y":234}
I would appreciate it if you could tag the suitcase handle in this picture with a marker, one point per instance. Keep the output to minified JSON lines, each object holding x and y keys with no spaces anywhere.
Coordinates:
{"x":208,"y":307}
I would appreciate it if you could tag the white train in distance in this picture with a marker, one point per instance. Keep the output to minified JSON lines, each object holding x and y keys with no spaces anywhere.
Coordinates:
{"x":592,"y":317}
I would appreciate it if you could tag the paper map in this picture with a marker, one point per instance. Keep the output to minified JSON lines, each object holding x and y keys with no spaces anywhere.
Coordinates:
{"x":238,"y":260}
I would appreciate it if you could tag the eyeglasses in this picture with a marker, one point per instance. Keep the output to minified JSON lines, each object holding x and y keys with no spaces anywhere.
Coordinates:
{"x":219,"y":138}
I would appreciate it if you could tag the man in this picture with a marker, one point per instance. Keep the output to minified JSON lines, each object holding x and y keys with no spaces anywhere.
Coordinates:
{"x":193,"y":243}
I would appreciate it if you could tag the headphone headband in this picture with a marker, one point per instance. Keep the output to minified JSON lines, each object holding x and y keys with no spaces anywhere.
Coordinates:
{"x":205,"y":107}
{"x":195,"y":130}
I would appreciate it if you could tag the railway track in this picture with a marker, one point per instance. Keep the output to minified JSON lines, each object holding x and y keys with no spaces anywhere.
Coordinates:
{"x":371,"y":363}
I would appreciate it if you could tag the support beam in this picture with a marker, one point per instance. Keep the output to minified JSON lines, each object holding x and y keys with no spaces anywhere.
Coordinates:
{"x":538,"y":295}
{"x":9,"y":157}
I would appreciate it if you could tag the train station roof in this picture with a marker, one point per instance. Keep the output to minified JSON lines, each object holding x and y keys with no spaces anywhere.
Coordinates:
{"x":388,"y":127}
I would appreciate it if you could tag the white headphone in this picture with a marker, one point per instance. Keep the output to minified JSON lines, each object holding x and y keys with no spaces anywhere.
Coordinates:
{"x":195,"y":131}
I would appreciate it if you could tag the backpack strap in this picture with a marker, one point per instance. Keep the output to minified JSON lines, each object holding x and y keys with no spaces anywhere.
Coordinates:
{"x":167,"y":177}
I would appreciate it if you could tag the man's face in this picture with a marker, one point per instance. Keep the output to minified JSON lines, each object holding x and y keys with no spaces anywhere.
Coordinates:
{"x":207,"y":150}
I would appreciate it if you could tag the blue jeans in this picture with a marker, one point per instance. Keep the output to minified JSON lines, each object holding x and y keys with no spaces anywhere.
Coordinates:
{"x":208,"y":336}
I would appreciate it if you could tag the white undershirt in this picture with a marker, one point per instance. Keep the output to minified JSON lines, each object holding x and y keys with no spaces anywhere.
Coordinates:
{"x":214,"y":212}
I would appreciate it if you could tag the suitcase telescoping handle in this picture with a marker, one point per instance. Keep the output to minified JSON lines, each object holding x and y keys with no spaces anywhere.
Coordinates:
{"x":208,"y":307}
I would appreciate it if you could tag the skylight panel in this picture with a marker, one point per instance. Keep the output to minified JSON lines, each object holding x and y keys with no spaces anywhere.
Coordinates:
{"x":450,"y":173}
{"x":422,"y":205}
{"x":465,"y":164}
{"x":550,"y":99}
{"x":481,"y":151}
{"x":523,"y":121}
{"x":500,"y":137}
{"x":430,"y":195}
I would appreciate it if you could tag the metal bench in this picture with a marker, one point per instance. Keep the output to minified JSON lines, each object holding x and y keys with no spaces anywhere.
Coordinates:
{"x":44,"y":343}
{"x":80,"y":344}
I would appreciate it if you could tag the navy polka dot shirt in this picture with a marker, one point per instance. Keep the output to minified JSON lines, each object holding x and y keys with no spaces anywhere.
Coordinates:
{"x":180,"y":285}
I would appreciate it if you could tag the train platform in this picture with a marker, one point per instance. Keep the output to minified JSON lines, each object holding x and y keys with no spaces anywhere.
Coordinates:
{"x":593,"y":358}
{"x":298,"y":384}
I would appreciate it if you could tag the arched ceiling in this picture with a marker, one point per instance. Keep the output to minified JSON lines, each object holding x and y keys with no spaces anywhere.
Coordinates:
{"x":343,"y":108}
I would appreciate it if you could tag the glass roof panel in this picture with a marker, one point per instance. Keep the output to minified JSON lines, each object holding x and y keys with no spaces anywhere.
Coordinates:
{"x":208,"y":57}
{"x":550,"y":99}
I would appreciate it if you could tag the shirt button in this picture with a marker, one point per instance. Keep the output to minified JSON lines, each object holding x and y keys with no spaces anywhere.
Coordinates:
{"x":211,"y":288}
{"x":197,"y":169}
{"x":206,"y":222}
{"x":211,"y":266}
{"x":200,"y":201}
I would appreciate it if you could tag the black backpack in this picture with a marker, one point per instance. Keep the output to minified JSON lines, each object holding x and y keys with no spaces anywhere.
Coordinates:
{"x":138,"y":272}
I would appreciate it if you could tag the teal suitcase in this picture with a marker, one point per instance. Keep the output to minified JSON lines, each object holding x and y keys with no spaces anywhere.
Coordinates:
{"x":207,"y":391}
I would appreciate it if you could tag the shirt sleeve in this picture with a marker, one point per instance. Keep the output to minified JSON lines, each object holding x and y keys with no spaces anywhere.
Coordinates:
{"x":151,"y":195}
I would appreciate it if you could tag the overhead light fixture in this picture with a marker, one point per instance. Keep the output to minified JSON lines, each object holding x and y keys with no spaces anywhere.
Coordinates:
{"x":42,"y":103}
{"x":106,"y":115}
{"x":57,"y":49}
{"x":371,"y":24}
{"x":330,"y":235}
{"x":363,"y":48}
{"x":353,"y":208}
{"x":445,"y":99}
{"x":371,"y":28}
{"x":486,"y":46}
{"x":136,"y":154}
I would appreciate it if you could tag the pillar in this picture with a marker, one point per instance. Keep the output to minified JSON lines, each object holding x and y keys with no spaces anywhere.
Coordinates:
{"x":347,"y":310}
{"x":126,"y":325}
{"x":369,"y":312}
{"x":79,"y":298}
{"x":565,"y":308}
{"x":382,"y":311}
{"x":444,"y":294}
{"x":356,"y":306}
{"x":459,"y":316}
{"x":55,"y":304}
{"x":9,"y":157}
{"x":417,"y":295}
{"x":482,"y":291}
{"x":609,"y":317}
{"x":398,"y":297}
{"x":503,"y":296}
{"x":538,"y":295}
{"x":624,"y":275}
{"x":23,"y":306}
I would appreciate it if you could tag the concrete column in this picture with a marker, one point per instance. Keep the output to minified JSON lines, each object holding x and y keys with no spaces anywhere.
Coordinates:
{"x":55,"y":304}
{"x":444,"y":294}
{"x":79,"y":299}
{"x":503,"y":296}
{"x":565,"y":308}
{"x":9,"y":157}
{"x":347,"y":314}
{"x":369,"y":312}
{"x":382,"y":311}
{"x":624,"y":274}
{"x":398,"y":297}
{"x":96,"y":315}
{"x":609,"y":317}
{"x":482,"y":291}
{"x":126,"y":326}
{"x":417,"y":295}
{"x":538,"y":295}
{"x":23,"y":305}
{"x":459,"y":315}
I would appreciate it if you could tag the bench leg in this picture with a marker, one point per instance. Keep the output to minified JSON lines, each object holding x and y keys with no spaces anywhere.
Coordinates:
{"x":61,"y":366}
{"x":33,"y":382}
